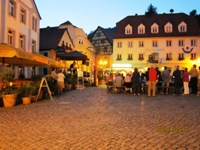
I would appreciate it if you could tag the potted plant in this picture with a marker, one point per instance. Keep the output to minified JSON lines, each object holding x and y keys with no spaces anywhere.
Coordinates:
{"x":26,"y":93}
{"x":8,"y":93}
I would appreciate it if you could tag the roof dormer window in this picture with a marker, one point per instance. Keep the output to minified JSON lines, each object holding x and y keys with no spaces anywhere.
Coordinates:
{"x":182,"y":27}
{"x":141,"y":29}
{"x":154,"y":28}
{"x":128,"y":29}
{"x":168,"y":28}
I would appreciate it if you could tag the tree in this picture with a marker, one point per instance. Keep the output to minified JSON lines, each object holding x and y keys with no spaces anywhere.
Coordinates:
{"x":193,"y":13}
{"x":151,"y":10}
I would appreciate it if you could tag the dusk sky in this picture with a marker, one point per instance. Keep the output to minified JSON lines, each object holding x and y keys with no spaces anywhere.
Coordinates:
{"x":89,"y":14}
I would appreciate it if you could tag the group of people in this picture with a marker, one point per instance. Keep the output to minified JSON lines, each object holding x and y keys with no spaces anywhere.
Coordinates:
{"x":60,"y":76}
{"x":188,"y":80}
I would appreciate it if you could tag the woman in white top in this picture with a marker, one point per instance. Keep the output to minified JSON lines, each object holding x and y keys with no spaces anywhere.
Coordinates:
{"x":60,"y":81}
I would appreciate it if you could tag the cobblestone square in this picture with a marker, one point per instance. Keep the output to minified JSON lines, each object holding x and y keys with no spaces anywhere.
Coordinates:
{"x":92,"y":119}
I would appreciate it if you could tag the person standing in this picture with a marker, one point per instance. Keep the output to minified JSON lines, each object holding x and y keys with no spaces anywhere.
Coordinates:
{"x":194,"y":79}
{"x":73,"y":67}
{"x":127,"y":82}
{"x":185,"y":78}
{"x":61,"y":83}
{"x":165,"y":75}
{"x":152,"y":81}
{"x":136,"y":82}
{"x":118,"y":82}
{"x":177,"y":80}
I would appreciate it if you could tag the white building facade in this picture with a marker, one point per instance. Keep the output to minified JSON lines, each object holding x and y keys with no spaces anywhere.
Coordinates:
{"x":19,"y":27}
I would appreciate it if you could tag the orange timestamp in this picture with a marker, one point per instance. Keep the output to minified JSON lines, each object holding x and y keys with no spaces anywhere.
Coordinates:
{"x":176,"y":129}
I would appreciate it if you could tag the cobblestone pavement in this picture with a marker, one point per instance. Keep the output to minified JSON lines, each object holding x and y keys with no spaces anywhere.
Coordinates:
{"x":92,"y":119}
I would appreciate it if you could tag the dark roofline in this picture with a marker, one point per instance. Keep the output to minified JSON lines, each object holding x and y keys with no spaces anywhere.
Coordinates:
{"x":67,"y":23}
{"x":161,"y":20}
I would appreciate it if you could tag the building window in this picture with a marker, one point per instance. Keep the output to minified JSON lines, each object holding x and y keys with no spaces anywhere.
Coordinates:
{"x":23,"y":16}
{"x":141,"y":29}
{"x":181,"y":56}
{"x":12,"y":8}
{"x":182,"y":27}
{"x":128,"y":29}
{"x":141,"y":57}
{"x":34,"y":23}
{"x":168,"y":28}
{"x":193,"y":56}
{"x":80,"y":41}
{"x":169,"y":56}
{"x":22,"y":42}
{"x":194,"y":43}
{"x":33,"y":46}
{"x":119,"y":57}
{"x":130,"y":57}
{"x":154,"y":28}
{"x":141,"y":44}
{"x":180,"y":43}
{"x":11,"y":37}
{"x":119,"y":44}
{"x":130,"y":44}
{"x":168,"y":43}
{"x":155,"y":43}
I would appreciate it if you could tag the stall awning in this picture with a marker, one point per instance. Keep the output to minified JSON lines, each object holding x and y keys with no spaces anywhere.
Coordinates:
{"x":14,"y":56}
{"x":46,"y":60}
{"x":74,"y":55}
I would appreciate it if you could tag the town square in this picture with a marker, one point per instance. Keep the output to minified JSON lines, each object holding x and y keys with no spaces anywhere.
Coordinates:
{"x":109,"y":75}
